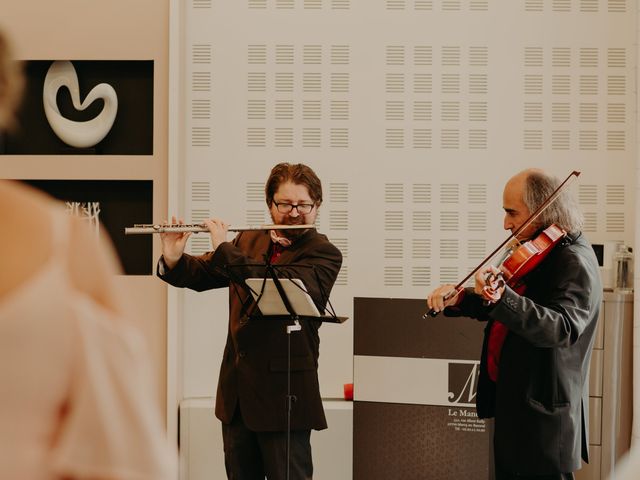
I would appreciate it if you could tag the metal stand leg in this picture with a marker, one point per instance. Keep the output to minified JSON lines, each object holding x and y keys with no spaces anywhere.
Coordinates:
{"x":290,"y":398}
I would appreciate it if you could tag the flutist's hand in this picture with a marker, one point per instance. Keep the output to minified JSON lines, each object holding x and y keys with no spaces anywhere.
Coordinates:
{"x":444,"y":296}
{"x":218,"y":230}
{"x":173,"y":244}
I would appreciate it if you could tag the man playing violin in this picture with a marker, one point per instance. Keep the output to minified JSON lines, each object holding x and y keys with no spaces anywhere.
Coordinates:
{"x":251,"y":399}
{"x":538,"y":339}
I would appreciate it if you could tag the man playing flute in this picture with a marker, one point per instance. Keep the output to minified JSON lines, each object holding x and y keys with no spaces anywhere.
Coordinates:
{"x":252,"y":387}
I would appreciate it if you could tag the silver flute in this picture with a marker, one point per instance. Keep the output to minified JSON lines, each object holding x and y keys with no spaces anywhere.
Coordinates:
{"x":200,"y":227}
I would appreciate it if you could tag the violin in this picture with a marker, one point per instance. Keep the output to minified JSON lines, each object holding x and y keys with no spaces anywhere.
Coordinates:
{"x":522,"y":260}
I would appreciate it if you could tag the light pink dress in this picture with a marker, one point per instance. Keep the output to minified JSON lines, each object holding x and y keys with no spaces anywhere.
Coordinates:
{"x":75,"y":399}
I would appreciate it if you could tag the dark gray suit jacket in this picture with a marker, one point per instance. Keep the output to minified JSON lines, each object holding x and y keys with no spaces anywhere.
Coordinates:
{"x":254,"y":365}
{"x":540,"y":401}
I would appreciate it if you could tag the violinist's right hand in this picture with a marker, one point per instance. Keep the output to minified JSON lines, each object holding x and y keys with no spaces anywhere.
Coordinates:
{"x":444,"y":296}
{"x":173,"y":244}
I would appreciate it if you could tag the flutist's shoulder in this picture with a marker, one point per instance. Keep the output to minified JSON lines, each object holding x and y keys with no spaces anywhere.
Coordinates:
{"x":319,"y":244}
{"x":252,"y":241}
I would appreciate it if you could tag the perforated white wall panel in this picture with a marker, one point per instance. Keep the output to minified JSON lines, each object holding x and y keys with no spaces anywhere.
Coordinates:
{"x":413,"y":113}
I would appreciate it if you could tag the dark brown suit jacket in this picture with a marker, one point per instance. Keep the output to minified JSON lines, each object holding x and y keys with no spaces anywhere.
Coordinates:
{"x":254,"y":366}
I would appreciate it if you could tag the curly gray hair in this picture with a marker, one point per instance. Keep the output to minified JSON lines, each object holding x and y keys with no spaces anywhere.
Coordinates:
{"x":564,"y":211}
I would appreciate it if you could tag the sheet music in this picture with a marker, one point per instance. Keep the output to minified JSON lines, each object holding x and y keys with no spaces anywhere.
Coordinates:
{"x":271,"y":303}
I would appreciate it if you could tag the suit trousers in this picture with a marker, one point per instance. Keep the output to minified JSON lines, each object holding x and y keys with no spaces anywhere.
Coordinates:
{"x":250,"y":455}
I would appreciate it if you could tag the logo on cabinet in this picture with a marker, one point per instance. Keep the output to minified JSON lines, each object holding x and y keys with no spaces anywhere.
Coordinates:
{"x":77,"y":134}
{"x":463,"y":382}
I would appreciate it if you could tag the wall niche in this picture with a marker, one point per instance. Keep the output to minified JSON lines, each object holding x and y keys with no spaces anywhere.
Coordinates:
{"x":121,"y":203}
{"x":132,"y":129}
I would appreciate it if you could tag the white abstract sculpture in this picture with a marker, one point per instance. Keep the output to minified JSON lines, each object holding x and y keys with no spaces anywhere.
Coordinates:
{"x":77,"y":134}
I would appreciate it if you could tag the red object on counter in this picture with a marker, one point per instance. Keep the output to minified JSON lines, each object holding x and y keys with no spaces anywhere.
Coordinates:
{"x":348,"y":391}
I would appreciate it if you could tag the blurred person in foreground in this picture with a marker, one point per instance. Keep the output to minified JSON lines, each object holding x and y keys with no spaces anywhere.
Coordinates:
{"x":76,"y":401}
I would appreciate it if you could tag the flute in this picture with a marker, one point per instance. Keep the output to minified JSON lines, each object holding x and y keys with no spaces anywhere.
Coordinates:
{"x":199,"y":227}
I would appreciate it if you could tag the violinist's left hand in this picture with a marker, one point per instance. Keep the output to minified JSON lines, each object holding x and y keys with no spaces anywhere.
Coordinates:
{"x":489,"y":284}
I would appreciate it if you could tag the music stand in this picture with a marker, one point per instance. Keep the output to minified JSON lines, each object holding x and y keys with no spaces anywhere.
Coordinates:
{"x":282,"y":297}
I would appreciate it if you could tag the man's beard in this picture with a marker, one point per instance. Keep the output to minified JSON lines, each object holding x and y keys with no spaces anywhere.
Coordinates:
{"x":291,"y":234}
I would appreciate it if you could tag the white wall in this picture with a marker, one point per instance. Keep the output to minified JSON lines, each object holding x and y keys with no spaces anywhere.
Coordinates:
{"x":413,"y":113}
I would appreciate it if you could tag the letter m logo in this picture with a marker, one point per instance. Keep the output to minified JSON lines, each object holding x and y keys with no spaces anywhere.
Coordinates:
{"x":463,"y":382}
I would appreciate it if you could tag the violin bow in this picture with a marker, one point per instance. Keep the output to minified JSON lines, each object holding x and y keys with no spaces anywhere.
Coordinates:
{"x":543,"y":206}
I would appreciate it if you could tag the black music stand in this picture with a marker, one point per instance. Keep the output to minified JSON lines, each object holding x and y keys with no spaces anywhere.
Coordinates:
{"x":286,"y":297}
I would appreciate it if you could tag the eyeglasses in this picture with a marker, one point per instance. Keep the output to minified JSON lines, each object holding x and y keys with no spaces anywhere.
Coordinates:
{"x":302,"y":208}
